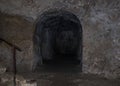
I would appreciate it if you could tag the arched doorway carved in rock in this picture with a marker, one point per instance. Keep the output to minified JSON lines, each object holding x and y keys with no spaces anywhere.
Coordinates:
{"x":58,"y":38}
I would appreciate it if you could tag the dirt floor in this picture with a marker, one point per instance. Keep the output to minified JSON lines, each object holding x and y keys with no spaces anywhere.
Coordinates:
{"x":69,"y":79}
{"x":68,"y":76}
{"x":64,"y":76}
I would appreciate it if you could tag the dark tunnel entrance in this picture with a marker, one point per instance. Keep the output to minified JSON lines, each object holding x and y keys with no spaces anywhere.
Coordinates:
{"x":58,"y":38}
{"x":66,"y":42}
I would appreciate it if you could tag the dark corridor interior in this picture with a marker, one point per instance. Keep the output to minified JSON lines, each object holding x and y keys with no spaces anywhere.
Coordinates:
{"x":58,"y":35}
{"x":65,"y":42}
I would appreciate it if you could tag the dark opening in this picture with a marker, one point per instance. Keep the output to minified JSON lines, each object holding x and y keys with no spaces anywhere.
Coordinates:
{"x":58,"y":38}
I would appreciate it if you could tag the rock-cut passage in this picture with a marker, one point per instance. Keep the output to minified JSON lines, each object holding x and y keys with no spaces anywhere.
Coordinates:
{"x":58,"y":36}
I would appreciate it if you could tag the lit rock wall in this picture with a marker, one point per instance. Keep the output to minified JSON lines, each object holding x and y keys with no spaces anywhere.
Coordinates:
{"x":100,"y":20}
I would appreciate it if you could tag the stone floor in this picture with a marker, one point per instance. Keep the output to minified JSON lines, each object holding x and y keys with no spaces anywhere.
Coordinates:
{"x":58,"y":77}
{"x":68,"y":79}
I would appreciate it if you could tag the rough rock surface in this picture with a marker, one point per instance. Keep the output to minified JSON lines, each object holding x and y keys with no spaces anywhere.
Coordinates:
{"x":100,"y":20}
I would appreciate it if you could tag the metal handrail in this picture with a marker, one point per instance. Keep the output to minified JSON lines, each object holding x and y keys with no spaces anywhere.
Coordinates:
{"x":12,"y":45}
{"x":14,"y":58}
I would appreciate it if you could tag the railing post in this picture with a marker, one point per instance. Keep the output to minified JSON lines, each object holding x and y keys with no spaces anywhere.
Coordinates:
{"x":14,"y":66}
{"x":14,"y":48}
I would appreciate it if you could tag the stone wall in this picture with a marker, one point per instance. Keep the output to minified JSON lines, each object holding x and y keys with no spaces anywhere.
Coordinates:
{"x":100,"y":22}
{"x":18,"y":31}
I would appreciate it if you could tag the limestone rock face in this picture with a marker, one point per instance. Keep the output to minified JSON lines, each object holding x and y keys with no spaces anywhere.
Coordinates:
{"x":18,"y":31}
{"x":100,"y":20}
